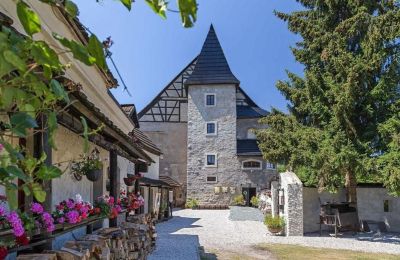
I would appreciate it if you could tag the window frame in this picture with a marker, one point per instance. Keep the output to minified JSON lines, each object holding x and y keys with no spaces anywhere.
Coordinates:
{"x":212,"y":176}
{"x":215,"y":165}
{"x":269,"y":168}
{"x":205,"y":99}
{"x":252,"y":168}
{"x":215,"y":128}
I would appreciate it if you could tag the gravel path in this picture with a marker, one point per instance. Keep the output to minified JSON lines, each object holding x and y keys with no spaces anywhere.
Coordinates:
{"x":245,"y":213}
{"x":180,"y":237}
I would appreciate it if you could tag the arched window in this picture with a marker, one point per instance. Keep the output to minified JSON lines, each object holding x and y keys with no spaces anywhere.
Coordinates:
{"x":251,"y":134}
{"x":252,"y":165}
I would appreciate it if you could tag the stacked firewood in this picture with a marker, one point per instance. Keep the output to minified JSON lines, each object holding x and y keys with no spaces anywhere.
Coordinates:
{"x":134,"y":239}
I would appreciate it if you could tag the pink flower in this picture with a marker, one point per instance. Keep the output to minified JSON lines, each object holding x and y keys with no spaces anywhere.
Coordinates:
{"x":37,"y":208}
{"x":70,"y":204}
{"x":61,"y":220}
{"x":111,"y":200}
{"x":72,"y":216}
{"x":16,"y":224}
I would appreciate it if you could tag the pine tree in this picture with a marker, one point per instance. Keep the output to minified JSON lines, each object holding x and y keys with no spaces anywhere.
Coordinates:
{"x":344,"y":120}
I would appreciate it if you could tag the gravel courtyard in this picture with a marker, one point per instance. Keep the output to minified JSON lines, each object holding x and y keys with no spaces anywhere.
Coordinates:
{"x":229,"y":231}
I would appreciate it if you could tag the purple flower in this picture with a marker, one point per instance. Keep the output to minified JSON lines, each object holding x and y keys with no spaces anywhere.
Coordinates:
{"x":70,"y":204}
{"x":2,"y":211}
{"x":72,"y":217}
{"x":61,"y":220}
{"x":16,"y":224}
{"x":37,"y":208}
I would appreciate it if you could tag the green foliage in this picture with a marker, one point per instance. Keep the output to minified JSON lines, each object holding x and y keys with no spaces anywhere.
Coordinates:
{"x":343,"y":111}
{"x":254,"y":201}
{"x":274,"y":222}
{"x":239,"y":200}
{"x":28,"y":18}
{"x":191,"y":203}
{"x":188,"y":11}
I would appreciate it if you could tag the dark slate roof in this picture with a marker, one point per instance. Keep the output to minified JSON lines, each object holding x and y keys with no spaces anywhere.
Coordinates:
{"x":211,"y":67}
{"x":248,"y":147}
{"x":250,"y":112}
{"x":152,"y":182}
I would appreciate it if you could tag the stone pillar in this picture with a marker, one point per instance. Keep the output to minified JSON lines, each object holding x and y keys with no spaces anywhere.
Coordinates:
{"x":274,"y":198}
{"x":293,"y":203}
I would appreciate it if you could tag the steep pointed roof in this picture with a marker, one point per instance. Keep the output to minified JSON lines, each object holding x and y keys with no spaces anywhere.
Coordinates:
{"x":211,"y":67}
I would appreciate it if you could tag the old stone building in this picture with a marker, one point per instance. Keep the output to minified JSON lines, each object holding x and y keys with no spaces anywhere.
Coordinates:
{"x":203,"y":122}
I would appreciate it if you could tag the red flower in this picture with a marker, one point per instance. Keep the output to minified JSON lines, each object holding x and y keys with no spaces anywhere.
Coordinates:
{"x":97,"y":210}
{"x":3,"y":252}
{"x":22,"y":240}
{"x":84,"y":215}
{"x":78,"y":206}
{"x":114,"y":213}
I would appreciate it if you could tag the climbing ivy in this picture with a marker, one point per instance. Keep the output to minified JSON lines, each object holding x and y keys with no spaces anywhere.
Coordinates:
{"x":32,"y":93}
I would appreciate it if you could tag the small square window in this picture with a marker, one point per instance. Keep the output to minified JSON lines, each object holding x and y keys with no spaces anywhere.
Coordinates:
{"x":212,"y":179}
{"x":211,"y":128}
{"x":386,"y":206}
{"x":210,"y":99}
{"x":270,"y":165}
{"x":211,"y":160}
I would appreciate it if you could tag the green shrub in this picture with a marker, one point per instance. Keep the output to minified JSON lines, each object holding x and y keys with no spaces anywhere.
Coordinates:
{"x":254,"y":201}
{"x":238,"y":200}
{"x":191,"y":203}
{"x":274,"y":222}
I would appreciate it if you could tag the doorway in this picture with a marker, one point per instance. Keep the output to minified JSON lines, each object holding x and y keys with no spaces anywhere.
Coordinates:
{"x":248,"y":193}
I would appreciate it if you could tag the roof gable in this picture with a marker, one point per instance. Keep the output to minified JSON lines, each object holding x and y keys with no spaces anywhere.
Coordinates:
{"x":212,"y":66}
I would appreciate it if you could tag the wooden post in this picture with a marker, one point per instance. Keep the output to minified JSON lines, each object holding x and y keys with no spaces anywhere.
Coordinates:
{"x":137,"y":187}
{"x":114,"y":181}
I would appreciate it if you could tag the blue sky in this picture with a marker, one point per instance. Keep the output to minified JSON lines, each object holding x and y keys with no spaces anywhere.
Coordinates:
{"x":150,"y":51}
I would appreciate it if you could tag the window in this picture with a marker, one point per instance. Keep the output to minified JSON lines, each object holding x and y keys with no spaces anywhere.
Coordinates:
{"x":270,"y":165}
{"x":251,"y":134}
{"x":210,"y":100}
{"x":212,"y":179}
{"x":252,"y":164}
{"x":211,"y":128}
{"x":211,"y":160}
{"x":386,"y":206}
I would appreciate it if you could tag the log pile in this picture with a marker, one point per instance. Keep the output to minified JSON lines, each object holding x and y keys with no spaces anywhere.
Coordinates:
{"x":132,"y":240}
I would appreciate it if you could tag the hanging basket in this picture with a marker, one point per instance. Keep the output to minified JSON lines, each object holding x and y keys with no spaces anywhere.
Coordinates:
{"x":129,"y":181}
{"x":93,"y":175}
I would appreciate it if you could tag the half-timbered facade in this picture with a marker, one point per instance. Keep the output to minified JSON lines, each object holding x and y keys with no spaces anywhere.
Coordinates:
{"x":203,"y":122}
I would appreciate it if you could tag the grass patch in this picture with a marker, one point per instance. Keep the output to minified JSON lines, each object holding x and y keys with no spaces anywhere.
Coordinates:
{"x":281,"y":251}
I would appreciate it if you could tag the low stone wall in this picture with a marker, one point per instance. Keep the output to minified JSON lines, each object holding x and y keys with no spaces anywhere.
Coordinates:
{"x":370,"y":203}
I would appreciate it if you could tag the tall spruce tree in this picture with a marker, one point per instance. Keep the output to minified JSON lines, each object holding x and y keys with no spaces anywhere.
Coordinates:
{"x":344,"y":121}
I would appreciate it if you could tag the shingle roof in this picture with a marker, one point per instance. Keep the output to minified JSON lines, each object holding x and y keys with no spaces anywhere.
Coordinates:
{"x":248,"y":147}
{"x":250,"y":112}
{"x":170,"y":181}
{"x":143,"y":141}
{"x":211,"y":67}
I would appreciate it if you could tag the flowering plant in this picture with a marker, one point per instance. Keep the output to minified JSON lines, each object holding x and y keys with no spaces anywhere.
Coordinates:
{"x":130,"y":201}
{"x":72,"y":211}
{"x":107,"y":206}
{"x":42,"y":218}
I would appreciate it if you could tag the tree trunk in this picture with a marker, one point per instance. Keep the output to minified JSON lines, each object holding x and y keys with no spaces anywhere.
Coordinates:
{"x":351,"y":188}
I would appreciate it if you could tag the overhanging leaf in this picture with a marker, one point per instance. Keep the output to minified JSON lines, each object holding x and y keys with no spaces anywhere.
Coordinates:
{"x":15,"y":60}
{"x":71,"y":8}
{"x":38,"y":192}
{"x":48,"y":172}
{"x":127,"y":3}
{"x":16,"y":172}
{"x":11,"y":193}
{"x":28,"y":18}
{"x":59,"y":90}
{"x":79,"y":51}
{"x":158,"y":6}
{"x":20,"y":122}
{"x":85,"y":135}
{"x":188,"y":11}
{"x":95,"y":48}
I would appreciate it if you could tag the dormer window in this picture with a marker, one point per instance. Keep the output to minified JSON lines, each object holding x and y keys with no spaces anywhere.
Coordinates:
{"x":252,"y":165}
{"x":210,"y":100}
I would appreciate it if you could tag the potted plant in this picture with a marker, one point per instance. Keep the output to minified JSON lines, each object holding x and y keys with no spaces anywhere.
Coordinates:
{"x":239,"y":200}
{"x":192,"y":203}
{"x":274,"y":224}
{"x":254,"y":201}
{"x":90,"y":165}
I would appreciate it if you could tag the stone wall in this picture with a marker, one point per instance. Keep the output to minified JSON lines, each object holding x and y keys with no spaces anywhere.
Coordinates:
{"x":153,"y":171}
{"x":243,"y":125}
{"x":293,"y":203}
